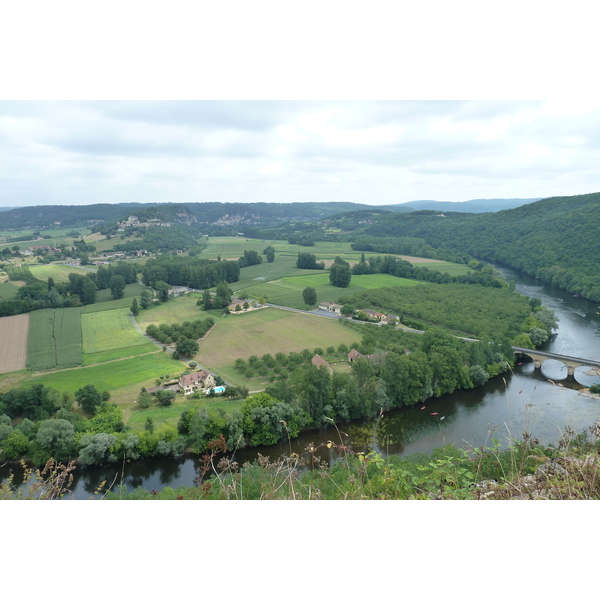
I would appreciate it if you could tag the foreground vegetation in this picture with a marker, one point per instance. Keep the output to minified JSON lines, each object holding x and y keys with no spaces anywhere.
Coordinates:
{"x":524,"y":471}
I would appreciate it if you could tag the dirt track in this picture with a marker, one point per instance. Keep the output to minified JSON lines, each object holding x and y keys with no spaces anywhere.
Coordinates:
{"x":13,"y":342}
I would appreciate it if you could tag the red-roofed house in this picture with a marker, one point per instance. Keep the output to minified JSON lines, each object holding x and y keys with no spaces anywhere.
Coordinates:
{"x":354,"y":354}
{"x":319,"y":361}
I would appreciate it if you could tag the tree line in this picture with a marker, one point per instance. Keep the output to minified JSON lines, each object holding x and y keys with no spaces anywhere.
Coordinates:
{"x":79,"y":290}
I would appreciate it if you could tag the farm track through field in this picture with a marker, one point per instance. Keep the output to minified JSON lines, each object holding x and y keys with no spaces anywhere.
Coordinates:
{"x":39,"y":373}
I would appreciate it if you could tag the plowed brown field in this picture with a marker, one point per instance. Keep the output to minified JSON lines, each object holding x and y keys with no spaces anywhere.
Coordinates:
{"x":13,"y":342}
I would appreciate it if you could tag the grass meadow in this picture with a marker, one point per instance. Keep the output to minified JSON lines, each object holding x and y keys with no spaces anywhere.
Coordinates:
{"x":138,"y":371}
{"x":288,"y":290}
{"x":280,"y":281}
{"x":58,"y":272}
{"x":112,"y":330}
{"x":104,"y":299}
{"x":177,"y":310}
{"x":8,"y":291}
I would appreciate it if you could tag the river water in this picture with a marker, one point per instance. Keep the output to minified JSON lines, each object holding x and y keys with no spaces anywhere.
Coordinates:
{"x":540,"y":402}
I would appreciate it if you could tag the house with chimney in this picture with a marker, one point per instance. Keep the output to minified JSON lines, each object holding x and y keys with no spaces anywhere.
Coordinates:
{"x":199,"y":380}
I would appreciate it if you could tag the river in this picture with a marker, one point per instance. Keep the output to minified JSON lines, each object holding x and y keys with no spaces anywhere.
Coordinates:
{"x":511,"y":404}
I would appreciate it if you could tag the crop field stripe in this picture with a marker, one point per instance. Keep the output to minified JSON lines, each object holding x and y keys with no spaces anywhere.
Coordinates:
{"x":54,"y":339}
{"x":40,"y":347}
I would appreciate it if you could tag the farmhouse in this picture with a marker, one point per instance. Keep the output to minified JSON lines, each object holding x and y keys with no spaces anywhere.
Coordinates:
{"x":354,"y":354}
{"x":196,"y":381}
{"x":390,"y":319}
{"x":331,"y":307}
{"x":235,"y":303}
{"x":373,"y":314}
{"x":319,"y":361}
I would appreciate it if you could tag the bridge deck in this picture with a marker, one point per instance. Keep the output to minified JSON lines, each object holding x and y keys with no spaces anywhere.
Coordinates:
{"x":562,"y":357}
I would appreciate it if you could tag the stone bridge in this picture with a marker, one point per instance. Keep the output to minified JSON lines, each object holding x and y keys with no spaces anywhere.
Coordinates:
{"x":571,"y":362}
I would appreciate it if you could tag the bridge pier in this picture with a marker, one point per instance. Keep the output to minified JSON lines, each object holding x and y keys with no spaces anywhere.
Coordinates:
{"x":571,"y":362}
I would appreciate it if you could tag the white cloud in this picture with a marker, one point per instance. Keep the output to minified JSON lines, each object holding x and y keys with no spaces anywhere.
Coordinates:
{"x":361,"y":151}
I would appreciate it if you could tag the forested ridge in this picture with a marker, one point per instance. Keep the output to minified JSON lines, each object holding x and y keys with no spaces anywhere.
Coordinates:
{"x":555,"y":240}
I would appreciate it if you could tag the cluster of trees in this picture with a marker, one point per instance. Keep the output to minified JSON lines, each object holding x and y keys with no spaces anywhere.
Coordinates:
{"x":251,"y":257}
{"x":308,"y":261}
{"x":480,"y":275}
{"x":160,"y":239}
{"x":269,"y":253}
{"x":189,"y":271}
{"x":278,"y":366}
{"x":221,"y":298}
{"x":340,"y":273}
{"x":309,"y":295}
{"x":79,"y":290}
{"x":187,"y":331}
{"x":476,"y":311}
{"x":39,"y":423}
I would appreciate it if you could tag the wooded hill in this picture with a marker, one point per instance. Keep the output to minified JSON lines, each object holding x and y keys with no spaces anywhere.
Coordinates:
{"x":555,"y":240}
{"x":258,"y":213}
{"x":198,"y":212}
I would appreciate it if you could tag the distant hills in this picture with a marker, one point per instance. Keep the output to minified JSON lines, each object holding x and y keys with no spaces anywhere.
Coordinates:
{"x":471,"y":206}
{"x":253,"y":213}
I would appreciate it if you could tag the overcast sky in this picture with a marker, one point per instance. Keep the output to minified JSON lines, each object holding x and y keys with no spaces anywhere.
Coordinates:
{"x":370,"y":152}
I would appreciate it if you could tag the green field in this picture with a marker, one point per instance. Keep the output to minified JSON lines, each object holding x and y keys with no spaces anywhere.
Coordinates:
{"x":177,"y":310}
{"x":110,"y":330}
{"x":288,"y":290}
{"x":119,"y":353}
{"x":271,"y":280}
{"x":137,"y":371}
{"x":58,"y":272}
{"x":54,"y":339}
{"x":171,"y":414}
{"x":8,"y":291}
{"x":267,"y":331}
{"x":104,"y":299}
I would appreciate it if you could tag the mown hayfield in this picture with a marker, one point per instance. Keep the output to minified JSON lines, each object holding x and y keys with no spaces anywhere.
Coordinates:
{"x":60,"y":273}
{"x":253,"y":279}
{"x":365,"y":282}
{"x":8,"y":291}
{"x":119,"y":353}
{"x":14,"y":332}
{"x":104,"y":299}
{"x":177,"y":310}
{"x":288,"y":290}
{"x":54,"y":339}
{"x":268,"y":331}
{"x":110,"y":330}
{"x":139,"y":371}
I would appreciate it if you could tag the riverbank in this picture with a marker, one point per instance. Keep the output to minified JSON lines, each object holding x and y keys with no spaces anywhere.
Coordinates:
{"x":526,"y":470}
